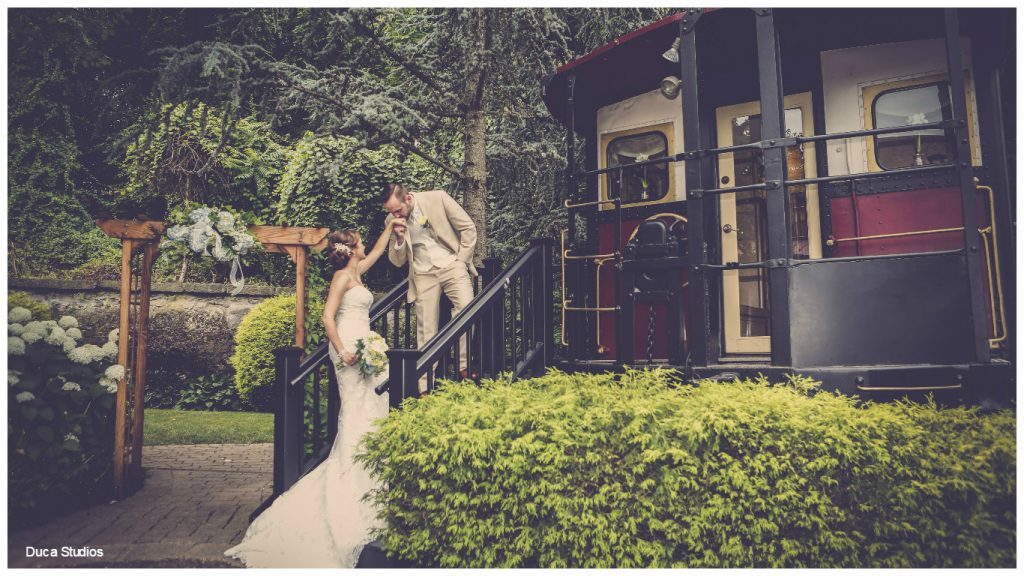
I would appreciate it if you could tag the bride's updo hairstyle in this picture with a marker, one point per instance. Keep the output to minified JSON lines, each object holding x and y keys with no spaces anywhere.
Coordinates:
{"x":340,"y":245}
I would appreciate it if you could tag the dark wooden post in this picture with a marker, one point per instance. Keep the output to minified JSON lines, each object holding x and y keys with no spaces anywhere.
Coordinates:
{"x":402,"y":380}
{"x":288,"y":424}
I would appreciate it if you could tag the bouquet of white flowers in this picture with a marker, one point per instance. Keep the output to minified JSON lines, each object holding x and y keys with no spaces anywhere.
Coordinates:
{"x":371,"y":351}
{"x":218,"y":233}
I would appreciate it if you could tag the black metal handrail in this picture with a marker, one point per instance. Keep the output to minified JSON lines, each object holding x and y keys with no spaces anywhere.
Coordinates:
{"x":507,"y":328}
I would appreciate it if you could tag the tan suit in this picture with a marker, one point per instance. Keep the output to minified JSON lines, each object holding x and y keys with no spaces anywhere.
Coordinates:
{"x":453,"y":229}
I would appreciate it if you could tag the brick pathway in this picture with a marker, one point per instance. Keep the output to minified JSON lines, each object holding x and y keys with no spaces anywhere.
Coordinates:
{"x":194,"y":505}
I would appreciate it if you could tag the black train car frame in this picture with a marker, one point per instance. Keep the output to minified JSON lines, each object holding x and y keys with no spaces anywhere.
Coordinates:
{"x":815,"y":191}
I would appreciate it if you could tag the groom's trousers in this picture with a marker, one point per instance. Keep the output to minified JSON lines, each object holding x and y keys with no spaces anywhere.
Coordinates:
{"x":456,"y":283}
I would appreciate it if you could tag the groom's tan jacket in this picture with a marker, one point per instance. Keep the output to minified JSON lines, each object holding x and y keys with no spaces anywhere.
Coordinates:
{"x":452,"y":227}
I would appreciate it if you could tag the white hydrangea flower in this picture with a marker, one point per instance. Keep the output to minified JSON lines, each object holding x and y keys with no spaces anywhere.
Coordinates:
{"x":114,"y":335}
{"x":71,"y":386}
{"x":197,"y":239}
{"x":200,"y":214}
{"x":48,"y":324}
{"x":15,"y":329}
{"x":69,"y":344}
{"x":19,"y":314}
{"x":15,"y":346}
{"x":177,"y":233}
{"x":31,"y":336}
{"x":225,"y":220}
{"x":73,"y":333}
{"x":68,"y":322}
{"x":24,"y":397}
{"x":13,"y":377}
{"x":243,"y":243}
{"x":56,"y":336}
{"x":115,"y":372}
{"x":109,"y":350}
{"x":37,"y":327}
{"x":86,"y":354}
{"x":109,"y":384}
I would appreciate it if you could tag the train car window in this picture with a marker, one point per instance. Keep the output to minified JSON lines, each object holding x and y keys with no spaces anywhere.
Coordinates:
{"x":922,"y":104}
{"x":642,"y":183}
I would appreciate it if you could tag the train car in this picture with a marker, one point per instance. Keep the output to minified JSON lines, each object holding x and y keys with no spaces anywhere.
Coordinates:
{"x":817,"y":191}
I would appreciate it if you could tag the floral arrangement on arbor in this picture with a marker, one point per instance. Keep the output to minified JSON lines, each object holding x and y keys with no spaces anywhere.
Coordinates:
{"x":216,"y":232}
{"x":60,"y":398}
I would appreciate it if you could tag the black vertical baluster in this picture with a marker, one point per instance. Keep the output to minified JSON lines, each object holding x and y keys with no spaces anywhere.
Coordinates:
{"x":317,"y":442}
{"x":394,"y":311}
{"x":442,"y":365}
{"x":522,"y":314}
{"x":512,"y":321}
{"x":528,"y":315}
{"x":302,"y":426}
{"x":408,"y":321}
{"x":500,"y":323}
{"x":333,"y":402}
{"x":456,"y":361}
{"x":480,"y":348}
{"x":523,"y":285}
{"x":470,"y":350}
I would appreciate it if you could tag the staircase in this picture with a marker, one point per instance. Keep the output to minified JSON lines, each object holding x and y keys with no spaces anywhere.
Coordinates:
{"x":506,"y":329}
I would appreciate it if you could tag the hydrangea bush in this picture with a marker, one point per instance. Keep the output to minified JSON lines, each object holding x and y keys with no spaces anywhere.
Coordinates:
{"x":60,"y":414}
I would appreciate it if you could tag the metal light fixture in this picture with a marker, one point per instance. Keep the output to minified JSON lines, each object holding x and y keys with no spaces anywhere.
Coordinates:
{"x":670,"y":86}
{"x":672,"y":54}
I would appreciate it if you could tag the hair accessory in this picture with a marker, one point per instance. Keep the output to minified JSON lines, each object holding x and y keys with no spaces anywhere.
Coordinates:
{"x":346,"y":250}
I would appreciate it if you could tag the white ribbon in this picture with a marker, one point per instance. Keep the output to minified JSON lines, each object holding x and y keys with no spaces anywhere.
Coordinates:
{"x":236,"y":277}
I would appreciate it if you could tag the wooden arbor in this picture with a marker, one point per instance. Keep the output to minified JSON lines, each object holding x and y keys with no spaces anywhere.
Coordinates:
{"x":140,"y":244}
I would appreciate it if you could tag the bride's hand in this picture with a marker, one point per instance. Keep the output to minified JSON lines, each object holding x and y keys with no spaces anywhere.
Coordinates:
{"x":397,"y":225}
{"x":348,"y":358}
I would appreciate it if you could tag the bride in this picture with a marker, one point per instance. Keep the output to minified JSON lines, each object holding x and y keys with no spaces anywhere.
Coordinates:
{"x":322,"y":521}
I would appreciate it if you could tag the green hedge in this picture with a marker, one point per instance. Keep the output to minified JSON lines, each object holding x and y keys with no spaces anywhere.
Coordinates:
{"x":269,"y":325}
{"x":636,"y":470}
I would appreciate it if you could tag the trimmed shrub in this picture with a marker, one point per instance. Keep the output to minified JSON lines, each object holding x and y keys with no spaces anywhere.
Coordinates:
{"x":636,"y":470}
{"x":269,"y":325}
{"x":40,"y":310}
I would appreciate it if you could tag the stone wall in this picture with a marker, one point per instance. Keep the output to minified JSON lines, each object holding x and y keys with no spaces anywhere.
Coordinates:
{"x":191,"y":326}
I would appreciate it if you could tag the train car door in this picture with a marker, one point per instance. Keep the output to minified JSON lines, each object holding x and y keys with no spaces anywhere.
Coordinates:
{"x":743,"y":232}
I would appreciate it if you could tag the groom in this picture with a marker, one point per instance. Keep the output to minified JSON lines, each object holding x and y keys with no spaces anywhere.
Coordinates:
{"x":437,"y":241}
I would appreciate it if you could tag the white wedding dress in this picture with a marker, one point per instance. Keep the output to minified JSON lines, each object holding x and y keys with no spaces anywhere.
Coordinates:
{"x":322,"y":520}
